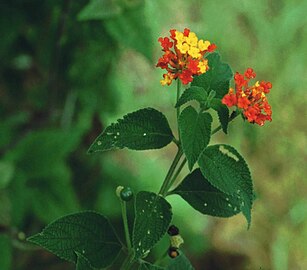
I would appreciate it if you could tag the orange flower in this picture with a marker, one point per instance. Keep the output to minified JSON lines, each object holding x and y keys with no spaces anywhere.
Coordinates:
{"x":183,"y":56}
{"x":252,"y":100}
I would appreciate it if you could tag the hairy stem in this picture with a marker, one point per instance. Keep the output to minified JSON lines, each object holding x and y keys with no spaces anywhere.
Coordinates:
{"x":126,"y":227}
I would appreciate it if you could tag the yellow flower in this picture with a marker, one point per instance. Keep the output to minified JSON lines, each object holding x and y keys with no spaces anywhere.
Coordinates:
{"x":192,"y":39}
{"x":203,"y":65}
{"x":203,"y":45}
{"x":183,"y":47}
{"x":194,"y":52}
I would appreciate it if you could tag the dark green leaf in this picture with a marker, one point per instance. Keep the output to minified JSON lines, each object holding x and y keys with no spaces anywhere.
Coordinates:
{"x":132,"y":29}
{"x":6,"y":254}
{"x":148,"y":266}
{"x":99,"y":10}
{"x":87,"y":233}
{"x":140,"y":130}
{"x":6,"y":173}
{"x":195,"y":132}
{"x":216,"y":78}
{"x":193,"y":93}
{"x":202,"y":196}
{"x":181,"y":262}
{"x":82,"y":263}
{"x":152,"y":217}
{"x":226,"y":170}
{"x":222,"y":112}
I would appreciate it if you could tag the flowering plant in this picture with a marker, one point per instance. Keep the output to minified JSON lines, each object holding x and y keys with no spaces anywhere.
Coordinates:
{"x":220,"y":186}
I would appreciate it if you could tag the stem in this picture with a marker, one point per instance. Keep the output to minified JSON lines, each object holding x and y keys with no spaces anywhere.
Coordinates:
{"x":127,"y":262}
{"x":126,"y":227}
{"x":178,"y":108}
{"x":172,"y":181}
{"x":170,"y":172}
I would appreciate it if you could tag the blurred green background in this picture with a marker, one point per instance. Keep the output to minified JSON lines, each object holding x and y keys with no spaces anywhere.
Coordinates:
{"x":62,"y":80}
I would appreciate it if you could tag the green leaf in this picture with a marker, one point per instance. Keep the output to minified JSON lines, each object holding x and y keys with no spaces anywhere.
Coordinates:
{"x":99,"y":10}
{"x":6,"y":254}
{"x":152,"y":218}
{"x":6,"y":173}
{"x":133,"y":29}
{"x":226,"y":170}
{"x":87,"y":233}
{"x":192,"y":93}
{"x":216,"y":78}
{"x":140,"y":130}
{"x":205,"y":198}
{"x":195,"y":133}
{"x":82,"y":263}
{"x":181,"y":262}
{"x":222,"y":112}
{"x":148,"y":266}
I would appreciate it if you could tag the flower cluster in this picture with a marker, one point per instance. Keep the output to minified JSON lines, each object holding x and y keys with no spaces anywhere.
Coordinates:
{"x":252,"y":100}
{"x":183,"y":56}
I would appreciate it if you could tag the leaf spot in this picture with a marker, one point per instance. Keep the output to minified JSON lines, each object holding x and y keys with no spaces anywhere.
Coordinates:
{"x":144,"y":134}
{"x":148,"y":232}
{"x":205,"y":204}
{"x":99,"y":142}
{"x":226,"y":152}
{"x":229,"y":205}
{"x":227,"y":199}
{"x":117,"y":133}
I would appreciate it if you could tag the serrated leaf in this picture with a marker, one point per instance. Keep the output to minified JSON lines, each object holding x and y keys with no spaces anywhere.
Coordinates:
{"x":222,"y":112}
{"x":216,"y":78}
{"x":141,"y":130}
{"x":148,"y":266}
{"x":226,"y":170}
{"x":193,"y":93}
{"x":87,"y":233}
{"x":181,"y":262}
{"x":99,"y":10}
{"x":152,"y":217}
{"x":82,"y":263}
{"x":205,"y":198}
{"x":195,"y":133}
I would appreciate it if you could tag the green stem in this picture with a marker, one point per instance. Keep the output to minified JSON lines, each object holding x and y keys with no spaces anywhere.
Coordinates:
{"x":127,"y":262}
{"x":178,"y":108}
{"x":170,"y":172}
{"x":126,"y":227}
{"x":172,"y":181}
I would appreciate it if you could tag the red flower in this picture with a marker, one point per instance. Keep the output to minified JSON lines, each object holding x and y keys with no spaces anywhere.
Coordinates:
{"x":183,"y":57}
{"x":252,"y":100}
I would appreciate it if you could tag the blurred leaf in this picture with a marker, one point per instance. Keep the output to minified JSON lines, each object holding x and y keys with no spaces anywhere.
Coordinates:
{"x":40,"y":151}
{"x":140,"y":130}
{"x":132,"y":29}
{"x":193,"y":93}
{"x":9,"y":127}
{"x":148,"y":266}
{"x":152,"y":217}
{"x":6,"y":254}
{"x":216,"y":78}
{"x":222,"y":112}
{"x":99,"y":10}
{"x":52,"y":196}
{"x":5,"y":208}
{"x":205,"y":198}
{"x":87,"y":233}
{"x":226,"y":170}
{"x":195,"y":133}
{"x":82,"y":263}
{"x":181,"y":262}
{"x":6,"y":173}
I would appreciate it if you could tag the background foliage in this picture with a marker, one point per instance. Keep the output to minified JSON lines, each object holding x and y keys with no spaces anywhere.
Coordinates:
{"x":62,"y":80}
